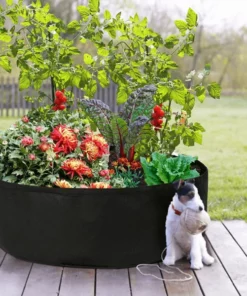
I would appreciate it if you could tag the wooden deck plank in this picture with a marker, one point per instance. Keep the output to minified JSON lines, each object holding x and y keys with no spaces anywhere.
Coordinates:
{"x":77,"y":282}
{"x":110,"y":282}
{"x":13,"y":276}
{"x":230,"y":254}
{"x":146,"y":285}
{"x":43,"y":280}
{"x":188,"y":288}
{"x":214,"y":280}
{"x":238,"y":229}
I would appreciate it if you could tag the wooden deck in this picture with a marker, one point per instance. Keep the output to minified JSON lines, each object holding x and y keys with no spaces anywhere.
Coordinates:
{"x":227,"y":277}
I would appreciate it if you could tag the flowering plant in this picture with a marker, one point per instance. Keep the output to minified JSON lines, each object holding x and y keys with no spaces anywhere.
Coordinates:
{"x":51,"y":146}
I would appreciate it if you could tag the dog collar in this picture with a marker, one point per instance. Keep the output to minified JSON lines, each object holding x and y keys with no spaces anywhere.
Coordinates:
{"x":177,"y":212}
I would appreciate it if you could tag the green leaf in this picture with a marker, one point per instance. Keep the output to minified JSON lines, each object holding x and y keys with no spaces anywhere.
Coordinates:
{"x":200,"y":93}
{"x":37,"y":84}
{"x":24,"y":81}
{"x":171,"y":41}
{"x":10,"y":179}
{"x":84,"y":12}
{"x":76,"y":80}
{"x":103,"y":52}
{"x":94,"y":5}
{"x":5,"y":37}
{"x":9,"y":2}
{"x":150,"y":172}
{"x":107,"y":15}
{"x":90,"y":88}
{"x":214,"y":90}
{"x":74,"y":25}
{"x":123,"y":93}
{"x":178,"y":93}
{"x":18,"y":173}
{"x":88,"y":59}
{"x":199,"y":127}
{"x":103,"y":79}
{"x":198,"y":137}
{"x":5,"y":63}
{"x":191,"y":18}
{"x":182,"y":26}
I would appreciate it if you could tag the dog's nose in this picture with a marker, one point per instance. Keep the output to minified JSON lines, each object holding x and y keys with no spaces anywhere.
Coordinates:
{"x":200,"y":208}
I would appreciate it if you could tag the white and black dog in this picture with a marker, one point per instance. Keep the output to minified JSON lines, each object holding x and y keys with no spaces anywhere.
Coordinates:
{"x":179,"y":242}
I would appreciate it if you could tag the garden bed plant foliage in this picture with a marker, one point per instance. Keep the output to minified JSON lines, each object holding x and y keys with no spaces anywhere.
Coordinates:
{"x":92,"y":147}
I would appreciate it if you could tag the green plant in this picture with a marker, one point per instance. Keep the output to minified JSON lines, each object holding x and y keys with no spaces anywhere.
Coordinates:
{"x":54,"y":151}
{"x":132,"y":56}
{"x":123,"y":131}
{"x":164,"y":169}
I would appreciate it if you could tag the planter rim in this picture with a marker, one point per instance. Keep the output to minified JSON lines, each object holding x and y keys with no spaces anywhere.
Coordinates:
{"x":33,"y":188}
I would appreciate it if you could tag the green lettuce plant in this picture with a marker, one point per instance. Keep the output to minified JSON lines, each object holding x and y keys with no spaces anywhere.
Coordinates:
{"x":163,"y":169}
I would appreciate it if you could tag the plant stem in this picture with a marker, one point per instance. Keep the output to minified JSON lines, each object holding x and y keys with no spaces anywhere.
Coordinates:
{"x":53,"y":89}
{"x":168,"y":111}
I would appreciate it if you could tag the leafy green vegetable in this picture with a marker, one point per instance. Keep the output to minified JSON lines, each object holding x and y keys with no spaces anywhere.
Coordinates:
{"x":164,"y":169}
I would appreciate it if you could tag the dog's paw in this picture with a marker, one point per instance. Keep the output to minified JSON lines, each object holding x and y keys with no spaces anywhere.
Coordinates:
{"x":208,"y":260}
{"x":169,"y":261}
{"x":196,"y":265}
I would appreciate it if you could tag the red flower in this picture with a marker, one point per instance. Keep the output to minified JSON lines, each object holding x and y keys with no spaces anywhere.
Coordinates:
{"x":31,"y":156}
{"x":62,"y":184}
{"x":100,"y":185}
{"x":157,"y":115}
{"x":27,"y":141}
{"x":44,"y":147}
{"x":95,"y":146}
{"x":39,"y":128}
{"x":65,"y":138}
{"x":135,"y":165}
{"x":105,"y":174}
{"x":75,"y":166}
{"x":43,"y":139}
{"x":25,"y":119}
{"x":123,"y":161}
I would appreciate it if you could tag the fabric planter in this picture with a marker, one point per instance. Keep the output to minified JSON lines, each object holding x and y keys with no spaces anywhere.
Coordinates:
{"x":103,"y":228}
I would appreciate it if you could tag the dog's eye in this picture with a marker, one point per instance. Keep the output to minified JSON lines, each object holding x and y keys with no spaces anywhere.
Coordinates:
{"x":191,"y":194}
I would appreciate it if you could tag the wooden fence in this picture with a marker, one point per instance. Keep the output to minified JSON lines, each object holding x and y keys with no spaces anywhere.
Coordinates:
{"x":13,"y":103}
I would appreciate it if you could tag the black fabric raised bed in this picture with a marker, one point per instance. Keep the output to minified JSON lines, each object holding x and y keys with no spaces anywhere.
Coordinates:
{"x":108,"y":228}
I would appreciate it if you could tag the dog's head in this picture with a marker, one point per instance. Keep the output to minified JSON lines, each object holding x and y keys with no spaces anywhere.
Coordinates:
{"x":188,"y":196}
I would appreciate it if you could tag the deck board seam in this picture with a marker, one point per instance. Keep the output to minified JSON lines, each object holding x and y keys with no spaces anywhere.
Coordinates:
{"x":164,"y":282}
{"x":223,"y":266}
{"x":130,"y":286}
{"x":234,"y":238}
{"x":198,"y":282}
{"x":95,"y":282}
{"x":31,"y":267}
{"x":60,"y":282}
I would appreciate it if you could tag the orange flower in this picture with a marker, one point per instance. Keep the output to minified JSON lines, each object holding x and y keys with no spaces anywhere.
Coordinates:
{"x":135,"y":165}
{"x":77,"y":166}
{"x":111,"y":172}
{"x":65,"y":138}
{"x":123,"y":161}
{"x":100,"y":185}
{"x":114,"y":163}
{"x":95,"y":146}
{"x":62,"y":184}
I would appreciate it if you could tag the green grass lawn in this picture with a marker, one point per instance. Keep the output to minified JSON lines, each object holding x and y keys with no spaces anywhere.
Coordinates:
{"x":224,"y":152}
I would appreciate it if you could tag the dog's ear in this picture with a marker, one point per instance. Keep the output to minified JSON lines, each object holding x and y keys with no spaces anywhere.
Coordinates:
{"x":178,"y":184}
{"x":191,"y":181}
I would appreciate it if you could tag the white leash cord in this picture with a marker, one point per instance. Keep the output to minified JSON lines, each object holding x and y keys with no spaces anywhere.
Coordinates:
{"x":188,"y":277}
